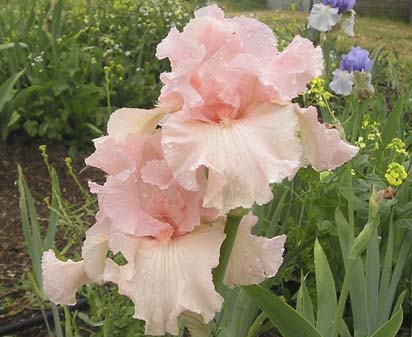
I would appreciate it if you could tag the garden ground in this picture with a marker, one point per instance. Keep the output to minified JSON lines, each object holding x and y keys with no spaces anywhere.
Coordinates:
{"x":15,"y":262}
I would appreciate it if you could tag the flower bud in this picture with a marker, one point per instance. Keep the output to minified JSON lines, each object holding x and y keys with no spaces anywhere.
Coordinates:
{"x":362,"y":87}
{"x":362,"y":240}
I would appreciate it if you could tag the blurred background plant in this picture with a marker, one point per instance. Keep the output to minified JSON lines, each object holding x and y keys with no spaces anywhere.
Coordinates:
{"x":67,"y":64}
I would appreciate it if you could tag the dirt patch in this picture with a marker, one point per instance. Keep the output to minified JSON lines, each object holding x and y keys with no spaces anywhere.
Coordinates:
{"x":15,"y":303}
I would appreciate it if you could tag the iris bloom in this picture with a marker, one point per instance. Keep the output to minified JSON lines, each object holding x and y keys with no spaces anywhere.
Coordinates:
{"x":326,"y":14}
{"x":231,"y":90}
{"x":356,"y":62}
{"x":228,"y":131}
{"x":171,"y":242}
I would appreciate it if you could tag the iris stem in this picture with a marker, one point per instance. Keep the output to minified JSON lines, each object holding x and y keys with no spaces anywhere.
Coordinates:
{"x":231,"y":229}
{"x":362,"y":107}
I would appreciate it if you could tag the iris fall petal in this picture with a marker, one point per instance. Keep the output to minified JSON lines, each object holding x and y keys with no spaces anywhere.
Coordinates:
{"x":253,"y":258}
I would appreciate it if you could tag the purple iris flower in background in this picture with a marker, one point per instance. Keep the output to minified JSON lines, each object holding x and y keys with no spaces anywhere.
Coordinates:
{"x":331,"y":3}
{"x":356,"y":60}
{"x":343,"y":5}
{"x":326,"y":14}
{"x":353,"y":75}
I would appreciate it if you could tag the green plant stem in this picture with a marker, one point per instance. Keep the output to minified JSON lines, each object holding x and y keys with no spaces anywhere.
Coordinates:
{"x":231,"y":228}
{"x":349,"y":182}
{"x":332,"y":117}
{"x":357,"y":121}
{"x":107,"y":90}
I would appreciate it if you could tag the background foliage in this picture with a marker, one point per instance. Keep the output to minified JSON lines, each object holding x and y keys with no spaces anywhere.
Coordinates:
{"x":72,"y":62}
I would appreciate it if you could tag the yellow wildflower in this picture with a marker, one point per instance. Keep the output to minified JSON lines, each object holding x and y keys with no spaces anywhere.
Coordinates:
{"x":371,"y":136}
{"x":360,"y":143}
{"x":395,"y":174}
{"x":318,"y":92}
{"x":398,"y":145}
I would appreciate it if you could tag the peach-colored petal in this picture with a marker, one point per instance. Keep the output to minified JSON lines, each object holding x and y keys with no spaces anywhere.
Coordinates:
{"x":257,"y":38}
{"x":140,"y":196}
{"x":127,"y":121}
{"x":185,"y":55}
{"x":95,"y":248}
{"x":121,"y":201}
{"x":142,"y":209}
{"x":201,"y":38}
{"x":62,"y":279}
{"x":322,"y":146}
{"x":253,"y":258}
{"x":244,"y":156}
{"x":111,"y":271}
{"x":128,"y":245}
{"x":182,"y":50}
{"x":114,"y":156}
{"x":156,"y":172}
{"x":172,"y":277}
{"x":295,"y":67}
{"x":222,"y":66}
{"x":211,"y":11}
{"x":107,"y":157}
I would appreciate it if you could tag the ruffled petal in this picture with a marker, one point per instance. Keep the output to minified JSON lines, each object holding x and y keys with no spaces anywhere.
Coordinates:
{"x":95,"y":248}
{"x":62,"y":279}
{"x":323,"y":18}
{"x":322,"y":145}
{"x":257,"y":38}
{"x":295,"y":67}
{"x":253,"y":258}
{"x":157,"y":173}
{"x":212,"y":11}
{"x":107,"y":156}
{"x":172,"y":277}
{"x":113,"y":156}
{"x":121,"y":200}
{"x":127,"y":121}
{"x":243,"y":156}
{"x":223,"y":66}
{"x":111,"y":271}
{"x":342,"y":82}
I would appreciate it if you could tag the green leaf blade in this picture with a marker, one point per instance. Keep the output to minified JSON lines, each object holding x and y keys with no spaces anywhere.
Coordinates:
{"x":326,"y":291}
{"x":287,"y":320}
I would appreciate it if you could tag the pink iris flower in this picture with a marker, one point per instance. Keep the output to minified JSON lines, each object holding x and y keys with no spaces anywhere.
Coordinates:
{"x":228,"y":131}
{"x":171,"y":242}
{"x":231,"y":91}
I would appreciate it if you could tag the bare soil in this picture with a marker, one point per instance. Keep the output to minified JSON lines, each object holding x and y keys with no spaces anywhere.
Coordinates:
{"x":15,"y":304}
